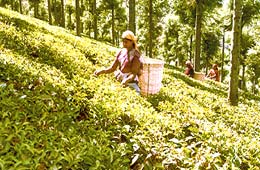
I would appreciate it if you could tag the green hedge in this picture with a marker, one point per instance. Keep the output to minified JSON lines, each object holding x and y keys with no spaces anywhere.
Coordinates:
{"x":55,"y":114}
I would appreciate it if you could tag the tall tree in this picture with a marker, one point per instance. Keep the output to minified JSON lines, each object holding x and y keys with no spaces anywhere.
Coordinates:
{"x":77,"y":17}
{"x":222,"y":56}
{"x":36,"y":8}
{"x":13,"y":5}
{"x":113,"y":22}
{"x":253,"y":63}
{"x":112,"y":5}
{"x":187,"y":16}
{"x":70,"y":10}
{"x":49,"y":12}
{"x":131,"y":24}
{"x":173,"y":43}
{"x":58,"y":12}
{"x":95,"y":22}
{"x":235,"y":53}
{"x":210,"y":48}
{"x":202,"y":7}
{"x":247,"y":42}
{"x":150,"y":29}
{"x":21,"y":6}
{"x":198,"y":34}
{"x":55,"y":13}
{"x":150,"y":25}
{"x":62,"y":14}
{"x":193,"y":14}
{"x":250,"y":9}
{"x":82,"y":13}
{"x":35,"y":4}
{"x":111,"y":9}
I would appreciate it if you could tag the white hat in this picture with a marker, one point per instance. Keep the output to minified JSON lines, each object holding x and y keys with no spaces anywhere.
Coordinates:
{"x":188,"y":62}
{"x":130,"y":36}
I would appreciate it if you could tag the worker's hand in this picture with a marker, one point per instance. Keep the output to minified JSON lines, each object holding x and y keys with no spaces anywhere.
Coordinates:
{"x":124,"y":83}
{"x":97,"y":73}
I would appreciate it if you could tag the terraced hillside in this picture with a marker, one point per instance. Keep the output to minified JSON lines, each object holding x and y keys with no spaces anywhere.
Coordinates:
{"x":54,"y":114}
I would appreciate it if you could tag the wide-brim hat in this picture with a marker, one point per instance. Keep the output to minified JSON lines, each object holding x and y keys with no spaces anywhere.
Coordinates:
{"x":188,"y":63}
{"x":130,"y":36}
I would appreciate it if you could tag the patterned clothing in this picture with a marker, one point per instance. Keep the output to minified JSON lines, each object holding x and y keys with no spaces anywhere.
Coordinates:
{"x":128,"y":63}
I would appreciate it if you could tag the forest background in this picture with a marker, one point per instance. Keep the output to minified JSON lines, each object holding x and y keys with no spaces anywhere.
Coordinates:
{"x":55,"y":114}
{"x":171,"y":30}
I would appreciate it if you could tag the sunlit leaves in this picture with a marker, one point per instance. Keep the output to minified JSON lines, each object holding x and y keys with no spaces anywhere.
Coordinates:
{"x":56,"y":115}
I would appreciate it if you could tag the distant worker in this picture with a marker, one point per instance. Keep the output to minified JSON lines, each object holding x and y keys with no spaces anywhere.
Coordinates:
{"x":214,"y":73}
{"x":128,"y":61}
{"x":189,"y":71}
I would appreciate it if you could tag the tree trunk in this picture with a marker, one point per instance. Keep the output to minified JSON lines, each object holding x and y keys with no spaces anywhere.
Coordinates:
{"x":21,"y":6}
{"x":62,"y":14}
{"x":150,"y":29}
{"x":177,"y":47}
{"x":254,"y":85}
{"x":198,"y":35}
{"x":70,"y":20}
{"x":207,"y":63}
{"x":82,"y":8}
{"x":77,"y":18}
{"x":206,"y":56}
{"x":191,"y":47}
{"x":167,"y":47}
{"x":243,"y":85}
{"x":13,"y":5}
{"x":113,"y":24}
{"x":118,"y":38}
{"x":95,"y":20}
{"x":223,"y":55}
{"x":36,"y":5}
{"x":54,"y":6}
{"x":235,"y":51}
{"x":131,"y":25}
{"x":49,"y":12}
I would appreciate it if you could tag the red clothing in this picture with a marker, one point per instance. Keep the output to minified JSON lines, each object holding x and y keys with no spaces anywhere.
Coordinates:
{"x":189,"y":71}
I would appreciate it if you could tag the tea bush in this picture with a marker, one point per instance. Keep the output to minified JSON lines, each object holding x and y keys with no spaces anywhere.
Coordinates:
{"x":55,"y":114}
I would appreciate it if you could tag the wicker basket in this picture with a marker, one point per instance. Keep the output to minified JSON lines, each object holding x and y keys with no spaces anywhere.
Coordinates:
{"x":150,"y":81}
{"x":199,"y":76}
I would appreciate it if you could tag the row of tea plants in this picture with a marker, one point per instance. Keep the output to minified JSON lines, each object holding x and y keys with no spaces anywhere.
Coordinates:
{"x":55,"y":114}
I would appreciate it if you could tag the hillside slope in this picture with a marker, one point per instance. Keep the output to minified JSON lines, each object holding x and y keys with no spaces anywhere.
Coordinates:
{"x":56,"y":115}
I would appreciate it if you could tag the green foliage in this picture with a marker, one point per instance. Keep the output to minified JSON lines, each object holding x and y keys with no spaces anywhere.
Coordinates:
{"x":176,"y":44}
{"x":54,"y":114}
{"x":13,"y":4}
{"x":210,"y":47}
{"x":250,"y":10}
{"x":106,"y":20}
{"x":186,"y":12}
{"x":159,"y":9}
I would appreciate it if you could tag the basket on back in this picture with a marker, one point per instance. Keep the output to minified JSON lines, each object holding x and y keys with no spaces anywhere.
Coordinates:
{"x":150,"y":81}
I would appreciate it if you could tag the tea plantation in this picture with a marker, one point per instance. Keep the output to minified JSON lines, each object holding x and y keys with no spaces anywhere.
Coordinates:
{"x":55,"y":114}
